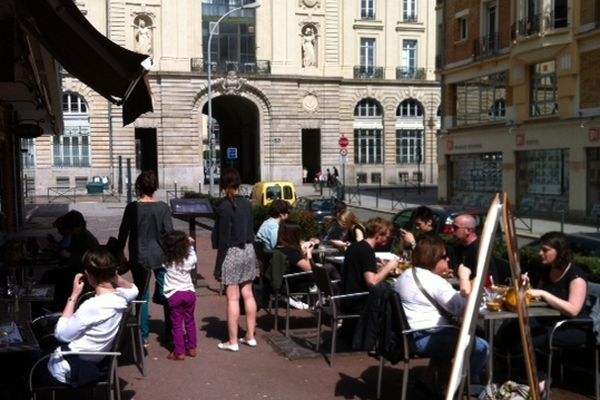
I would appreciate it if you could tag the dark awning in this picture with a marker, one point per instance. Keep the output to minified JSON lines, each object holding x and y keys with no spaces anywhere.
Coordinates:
{"x":111,"y":70}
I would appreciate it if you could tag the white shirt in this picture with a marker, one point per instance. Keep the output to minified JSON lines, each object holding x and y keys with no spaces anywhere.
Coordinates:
{"x":420,"y":313}
{"x":178,"y":277}
{"x":91,"y":328}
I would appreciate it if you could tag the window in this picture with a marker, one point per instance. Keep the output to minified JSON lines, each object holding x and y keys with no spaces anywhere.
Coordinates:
{"x":462,"y":32}
{"x":409,"y":146}
{"x":72,"y":149}
{"x":481,"y":100}
{"x":367,"y":9}
{"x":409,"y":10}
{"x":368,"y":132}
{"x":367,"y":53}
{"x":28,"y":152}
{"x":543,"y":89}
{"x":236,"y":41}
{"x":409,"y":108}
{"x":409,"y":58}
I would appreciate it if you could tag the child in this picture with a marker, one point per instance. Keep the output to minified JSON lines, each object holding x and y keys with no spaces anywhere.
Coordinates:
{"x":179,"y":261}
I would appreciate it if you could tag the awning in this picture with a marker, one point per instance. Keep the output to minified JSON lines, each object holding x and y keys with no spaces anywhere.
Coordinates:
{"x":111,"y":70}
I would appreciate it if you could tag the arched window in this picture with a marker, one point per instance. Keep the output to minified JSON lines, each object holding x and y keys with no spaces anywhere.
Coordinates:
{"x":409,"y":132}
{"x":72,"y":148}
{"x":368,"y":132}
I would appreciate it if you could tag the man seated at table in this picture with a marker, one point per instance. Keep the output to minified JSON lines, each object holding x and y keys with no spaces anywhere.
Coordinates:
{"x":362,"y":271}
{"x":466,"y":253}
{"x":279,"y":212}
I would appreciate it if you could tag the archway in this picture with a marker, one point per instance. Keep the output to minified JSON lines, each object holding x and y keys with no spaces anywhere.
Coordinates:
{"x":238,"y":127}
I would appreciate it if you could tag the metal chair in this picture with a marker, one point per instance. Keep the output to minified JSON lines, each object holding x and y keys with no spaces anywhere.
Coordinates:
{"x":110,"y":382}
{"x":329,"y":303}
{"x":585,"y":324}
{"x":408,"y":351}
{"x":134,"y":324}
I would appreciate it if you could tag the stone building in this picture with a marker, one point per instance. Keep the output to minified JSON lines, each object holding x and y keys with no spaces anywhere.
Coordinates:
{"x":288,"y":80}
{"x":521,"y":104}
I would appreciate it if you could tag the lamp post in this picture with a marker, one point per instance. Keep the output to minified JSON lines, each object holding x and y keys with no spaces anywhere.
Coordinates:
{"x":211,"y":136}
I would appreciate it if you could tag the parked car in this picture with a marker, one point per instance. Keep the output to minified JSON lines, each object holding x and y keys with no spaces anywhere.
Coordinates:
{"x":321,"y":208}
{"x":263,"y":193}
{"x":443,"y":219}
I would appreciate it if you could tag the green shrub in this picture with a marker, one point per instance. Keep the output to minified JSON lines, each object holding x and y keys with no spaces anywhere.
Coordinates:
{"x":307,"y":222}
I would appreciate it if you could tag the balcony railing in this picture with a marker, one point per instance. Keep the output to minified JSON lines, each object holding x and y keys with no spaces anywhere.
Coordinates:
{"x":410,"y":74}
{"x":366,"y":72}
{"x":540,"y":22}
{"x":260,"y":67}
{"x":486,"y":46}
{"x":410,"y":18}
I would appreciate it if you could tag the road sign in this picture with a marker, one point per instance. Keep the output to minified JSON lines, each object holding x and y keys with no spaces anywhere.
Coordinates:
{"x":232,"y":153}
{"x":343,"y":152}
{"x":343,"y":142}
{"x":343,"y":159}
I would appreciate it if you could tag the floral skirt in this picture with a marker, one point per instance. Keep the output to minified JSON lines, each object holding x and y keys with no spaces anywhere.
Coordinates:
{"x":239,"y":265}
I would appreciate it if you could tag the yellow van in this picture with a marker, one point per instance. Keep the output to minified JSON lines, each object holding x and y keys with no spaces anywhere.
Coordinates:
{"x":263,"y":193}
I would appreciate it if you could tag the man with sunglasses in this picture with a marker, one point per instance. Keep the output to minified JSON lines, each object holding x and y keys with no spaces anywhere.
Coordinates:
{"x":466,"y":253}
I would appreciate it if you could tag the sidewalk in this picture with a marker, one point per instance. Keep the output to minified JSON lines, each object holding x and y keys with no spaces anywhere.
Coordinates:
{"x":252,"y":373}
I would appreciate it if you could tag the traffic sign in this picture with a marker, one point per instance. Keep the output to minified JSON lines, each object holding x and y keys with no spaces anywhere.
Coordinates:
{"x":343,"y":142}
{"x":232,"y":153}
{"x":343,"y":152}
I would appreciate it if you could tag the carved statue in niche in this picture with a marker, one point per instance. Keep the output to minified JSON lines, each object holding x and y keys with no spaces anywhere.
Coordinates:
{"x":309,"y":43}
{"x":143,"y":35}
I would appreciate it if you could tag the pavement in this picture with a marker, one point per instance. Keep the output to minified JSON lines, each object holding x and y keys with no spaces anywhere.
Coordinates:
{"x":278,"y":368}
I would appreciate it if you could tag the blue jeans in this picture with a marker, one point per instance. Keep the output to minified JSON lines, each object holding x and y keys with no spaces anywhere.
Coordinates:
{"x":441,"y":344}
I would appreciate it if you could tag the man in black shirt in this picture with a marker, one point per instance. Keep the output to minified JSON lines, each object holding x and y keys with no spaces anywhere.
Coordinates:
{"x":466,"y":234}
{"x":361,"y":270}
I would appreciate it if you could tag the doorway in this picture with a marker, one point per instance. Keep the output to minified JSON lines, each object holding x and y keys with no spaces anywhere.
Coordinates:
{"x":146,"y":153}
{"x":311,"y":152}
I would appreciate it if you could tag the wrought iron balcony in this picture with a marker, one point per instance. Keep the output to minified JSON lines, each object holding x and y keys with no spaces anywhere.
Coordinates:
{"x":410,"y":74}
{"x":366,"y":72}
{"x":486,"y":46}
{"x":528,"y":26}
{"x":260,"y":67}
{"x":547,"y":21}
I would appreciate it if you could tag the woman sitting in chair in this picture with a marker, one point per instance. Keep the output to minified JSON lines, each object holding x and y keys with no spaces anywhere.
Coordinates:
{"x":563,"y":286}
{"x":431,"y":303}
{"x":299,"y":256}
{"x":94,"y":325}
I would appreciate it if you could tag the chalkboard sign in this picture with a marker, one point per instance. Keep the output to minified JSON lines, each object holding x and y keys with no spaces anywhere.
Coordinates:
{"x":191,"y":207}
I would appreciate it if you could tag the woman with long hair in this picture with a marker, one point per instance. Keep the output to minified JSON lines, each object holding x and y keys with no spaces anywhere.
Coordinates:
{"x":355,"y":231}
{"x":233,"y":237}
{"x":145,"y":222}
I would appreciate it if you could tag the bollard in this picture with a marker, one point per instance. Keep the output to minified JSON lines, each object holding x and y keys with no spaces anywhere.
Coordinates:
{"x":175,"y":182}
{"x":129,"y":194}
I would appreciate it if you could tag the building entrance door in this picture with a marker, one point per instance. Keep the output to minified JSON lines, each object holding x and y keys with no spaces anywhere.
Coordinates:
{"x":146,"y":156}
{"x":311,"y":152}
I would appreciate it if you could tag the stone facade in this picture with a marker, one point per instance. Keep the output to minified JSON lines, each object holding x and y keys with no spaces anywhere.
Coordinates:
{"x":312,"y":48}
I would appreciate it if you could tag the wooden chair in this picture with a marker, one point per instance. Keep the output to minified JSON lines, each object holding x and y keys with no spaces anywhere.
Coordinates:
{"x":328,"y":303}
{"x":110,"y":382}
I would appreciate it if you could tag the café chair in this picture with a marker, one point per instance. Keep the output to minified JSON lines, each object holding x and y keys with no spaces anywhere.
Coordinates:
{"x":405,"y":350}
{"x":110,"y":381}
{"x":585,"y":324}
{"x":134,"y":322}
{"x":328,"y":303}
{"x":280,"y":282}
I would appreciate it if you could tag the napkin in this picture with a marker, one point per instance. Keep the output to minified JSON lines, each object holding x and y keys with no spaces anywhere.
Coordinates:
{"x":9,"y":333}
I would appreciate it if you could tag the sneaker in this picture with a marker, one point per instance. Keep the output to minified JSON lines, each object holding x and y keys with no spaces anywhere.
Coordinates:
{"x":297,"y":304}
{"x":146,"y":343}
{"x":313,"y":289}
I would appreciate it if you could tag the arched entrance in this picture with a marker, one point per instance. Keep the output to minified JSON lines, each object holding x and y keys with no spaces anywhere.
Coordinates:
{"x":238,"y":127}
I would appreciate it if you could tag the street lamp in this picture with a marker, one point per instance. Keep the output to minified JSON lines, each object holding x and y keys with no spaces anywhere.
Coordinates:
{"x":211,"y":137}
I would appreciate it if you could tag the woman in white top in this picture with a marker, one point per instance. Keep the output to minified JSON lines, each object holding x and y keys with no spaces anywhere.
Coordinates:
{"x":429,"y":262}
{"x":180,"y":261}
{"x":94,"y":325}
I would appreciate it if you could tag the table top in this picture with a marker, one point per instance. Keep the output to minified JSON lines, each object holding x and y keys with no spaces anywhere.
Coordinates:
{"x":15,"y":329}
{"x":541,"y":310}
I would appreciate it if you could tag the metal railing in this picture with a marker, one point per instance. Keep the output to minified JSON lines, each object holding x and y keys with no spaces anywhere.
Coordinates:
{"x":410,"y":74}
{"x":486,"y":46}
{"x":260,"y":67}
{"x":366,"y":72}
{"x":540,"y":22}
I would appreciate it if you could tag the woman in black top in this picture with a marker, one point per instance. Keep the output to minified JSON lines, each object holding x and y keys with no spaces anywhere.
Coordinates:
{"x":145,"y":221}
{"x":299,"y":256}
{"x":564,"y":287}
{"x":233,"y":237}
